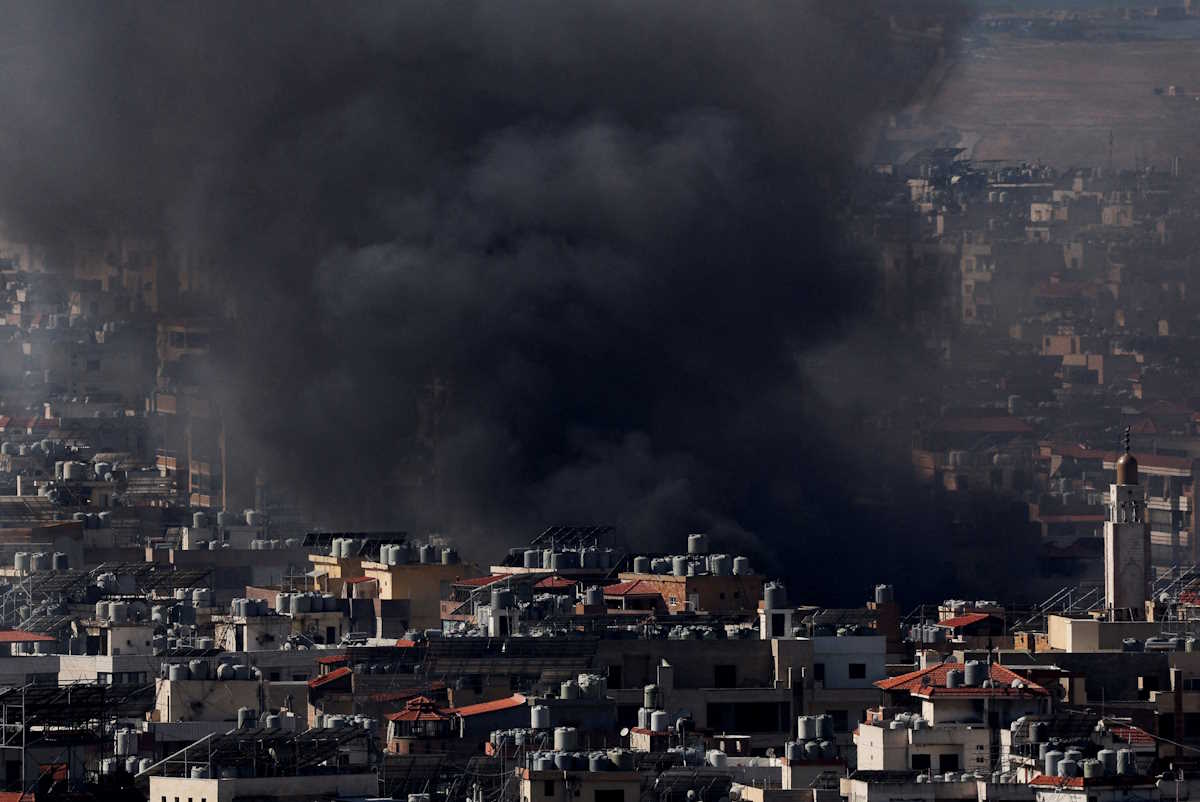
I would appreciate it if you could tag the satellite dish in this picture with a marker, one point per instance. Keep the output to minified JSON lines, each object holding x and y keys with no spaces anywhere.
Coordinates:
{"x":624,"y":732}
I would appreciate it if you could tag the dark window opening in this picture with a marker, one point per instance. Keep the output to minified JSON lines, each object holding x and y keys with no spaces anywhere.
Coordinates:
{"x":725,"y":676}
{"x":614,"y":677}
{"x":858,"y":671}
{"x":841,"y":720}
{"x":948,"y":762}
{"x":921,"y":763}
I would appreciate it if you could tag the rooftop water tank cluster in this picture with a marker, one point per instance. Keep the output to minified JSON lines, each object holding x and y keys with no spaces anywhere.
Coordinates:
{"x":331,"y":721}
{"x":228,"y":671}
{"x":927,"y":633}
{"x":191,"y":670}
{"x":248,"y":608}
{"x":25,"y":562}
{"x":571,"y":760}
{"x":522,"y":737}
{"x":693,"y":565}
{"x":1106,"y":763}
{"x":125,"y":743}
{"x":394,"y":554}
{"x":558,"y":559}
{"x":654,"y":720}
{"x":585,"y":686}
{"x":904,"y":721}
{"x":343,"y":547}
{"x":1166,"y":643}
{"x":309,"y":602}
{"x":695,"y":632}
{"x":266,"y":544}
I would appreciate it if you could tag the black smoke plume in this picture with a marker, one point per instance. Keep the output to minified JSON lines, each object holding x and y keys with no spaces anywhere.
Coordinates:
{"x":496,"y":266}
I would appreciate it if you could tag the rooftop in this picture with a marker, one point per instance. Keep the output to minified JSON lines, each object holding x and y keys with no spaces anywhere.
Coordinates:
{"x":516,"y":700}
{"x":930,"y":682}
{"x":964,"y":620}
{"x":635,"y":587}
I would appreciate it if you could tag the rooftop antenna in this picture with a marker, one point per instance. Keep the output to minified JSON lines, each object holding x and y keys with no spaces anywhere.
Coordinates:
{"x":1125,"y":439}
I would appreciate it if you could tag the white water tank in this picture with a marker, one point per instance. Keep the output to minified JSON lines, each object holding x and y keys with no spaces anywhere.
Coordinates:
{"x":565,"y":739}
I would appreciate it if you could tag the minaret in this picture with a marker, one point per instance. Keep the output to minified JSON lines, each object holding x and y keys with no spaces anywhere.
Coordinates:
{"x":1126,"y":544}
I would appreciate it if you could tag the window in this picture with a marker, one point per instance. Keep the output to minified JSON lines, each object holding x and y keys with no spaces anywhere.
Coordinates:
{"x":610,"y":795}
{"x":273,"y":676}
{"x":778,"y":620}
{"x":948,"y":762}
{"x":614,"y":677}
{"x":674,"y":601}
{"x":548,"y":788}
{"x":841,"y":720}
{"x":858,"y":671}
{"x":725,"y":676}
{"x":921,"y":763}
{"x":819,"y":672}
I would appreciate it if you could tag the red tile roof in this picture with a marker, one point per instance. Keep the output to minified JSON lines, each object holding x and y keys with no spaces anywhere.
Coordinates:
{"x":931,"y":681}
{"x":480,"y":581}
{"x":1046,"y":781}
{"x":358,"y":580}
{"x":20,"y":636}
{"x":631,"y":588}
{"x":555,"y":583}
{"x":516,"y":700}
{"x":405,"y":644}
{"x":337,"y":673}
{"x":333,"y":659}
{"x":419,"y":708}
{"x":964,"y":620}
{"x":1132,"y":735}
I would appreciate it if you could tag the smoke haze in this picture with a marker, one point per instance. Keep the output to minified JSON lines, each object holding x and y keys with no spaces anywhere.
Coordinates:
{"x":502,"y":266}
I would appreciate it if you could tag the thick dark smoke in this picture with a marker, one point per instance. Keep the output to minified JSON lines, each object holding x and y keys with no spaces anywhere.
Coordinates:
{"x":497,"y":266}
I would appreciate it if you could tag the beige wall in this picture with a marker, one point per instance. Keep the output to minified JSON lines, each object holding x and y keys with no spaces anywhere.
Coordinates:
{"x":585,"y":785}
{"x":279,"y":788}
{"x":203,"y":700}
{"x":424,"y":585}
{"x":1089,"y":635}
